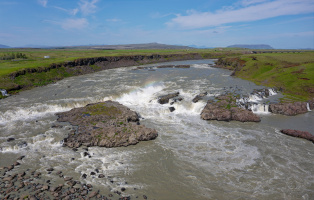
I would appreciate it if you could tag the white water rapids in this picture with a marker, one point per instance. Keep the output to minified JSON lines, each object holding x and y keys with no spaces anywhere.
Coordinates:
{"x":190,"y":159}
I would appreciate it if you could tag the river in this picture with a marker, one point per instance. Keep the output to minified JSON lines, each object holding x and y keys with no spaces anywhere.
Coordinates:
{"x":190,"y":159}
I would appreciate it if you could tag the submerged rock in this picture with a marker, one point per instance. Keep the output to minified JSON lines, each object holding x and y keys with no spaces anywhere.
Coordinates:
{"x":199,"y":97}
{"x":300,"y":134}
{"x":117,"y":126}
{"x":225,"y":109}
{"x":165,"y":99}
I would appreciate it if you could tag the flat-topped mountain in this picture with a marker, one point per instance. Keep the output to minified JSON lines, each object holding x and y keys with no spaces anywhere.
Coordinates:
{"x":133,"y":46}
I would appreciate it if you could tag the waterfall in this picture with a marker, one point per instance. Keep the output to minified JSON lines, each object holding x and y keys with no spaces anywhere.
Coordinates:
{"x":254,"y":98}
{"x":259,"y":108}
{"x":308,"y":107}
{"x":4,"y":92}
{"x":272,"y":92}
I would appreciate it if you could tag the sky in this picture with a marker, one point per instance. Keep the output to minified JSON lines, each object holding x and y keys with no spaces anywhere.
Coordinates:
{"x":283,"y":24}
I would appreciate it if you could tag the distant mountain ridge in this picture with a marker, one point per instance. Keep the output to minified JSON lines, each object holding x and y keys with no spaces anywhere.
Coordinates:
{"x":251,"y":46}
{"x":133,"y":46}
{"x":4,"y":46}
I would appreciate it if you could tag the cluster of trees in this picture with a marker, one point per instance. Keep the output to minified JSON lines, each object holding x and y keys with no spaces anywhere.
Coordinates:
{"x":10,"y":56}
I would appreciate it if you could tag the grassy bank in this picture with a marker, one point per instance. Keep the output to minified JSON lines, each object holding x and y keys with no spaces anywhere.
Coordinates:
{"x":37,"y":71}
{"x":293,"y":73}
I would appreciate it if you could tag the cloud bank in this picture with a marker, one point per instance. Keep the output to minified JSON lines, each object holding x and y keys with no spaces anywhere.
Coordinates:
{"x":251,"y":10}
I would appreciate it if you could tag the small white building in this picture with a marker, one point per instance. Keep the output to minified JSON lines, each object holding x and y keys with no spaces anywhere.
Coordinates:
{"x":46,"y":56}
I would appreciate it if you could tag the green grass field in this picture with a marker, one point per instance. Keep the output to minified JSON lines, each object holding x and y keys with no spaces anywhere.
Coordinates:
{"x":35,"y":57}
{"x":292,"y":72}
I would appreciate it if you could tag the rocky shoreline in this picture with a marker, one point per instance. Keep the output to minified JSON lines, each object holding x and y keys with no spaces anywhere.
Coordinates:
{"x":105,"y":124}
{"x":17,"y":183}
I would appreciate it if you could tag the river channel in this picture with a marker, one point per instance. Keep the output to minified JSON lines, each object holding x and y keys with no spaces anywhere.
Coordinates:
{"x":190,"y":159}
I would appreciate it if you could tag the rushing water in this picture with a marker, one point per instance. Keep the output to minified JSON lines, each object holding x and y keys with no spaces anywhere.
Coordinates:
{"x":190,"y":159}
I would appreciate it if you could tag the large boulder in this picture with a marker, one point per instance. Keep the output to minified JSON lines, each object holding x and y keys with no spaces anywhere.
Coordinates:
{"x":290,"y":109}
{"x":105,"y":124}
{"x":300,"y":134}
{"x":165,"y":99}
{"x":225,"y":109}
{"x":199,"y":97}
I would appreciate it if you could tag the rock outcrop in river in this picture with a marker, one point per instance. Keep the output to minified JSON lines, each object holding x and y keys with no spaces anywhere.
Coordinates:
{"x":226,"y":109}
{"x":289,"y":109}
{"x":300,"y":134}
{"x":105,"y":124}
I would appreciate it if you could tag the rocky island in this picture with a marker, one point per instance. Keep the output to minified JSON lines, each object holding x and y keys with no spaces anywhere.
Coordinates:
{"x":105,"y":124}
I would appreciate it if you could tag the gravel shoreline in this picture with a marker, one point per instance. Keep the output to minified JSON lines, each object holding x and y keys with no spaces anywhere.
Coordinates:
{"x":17,"y":183}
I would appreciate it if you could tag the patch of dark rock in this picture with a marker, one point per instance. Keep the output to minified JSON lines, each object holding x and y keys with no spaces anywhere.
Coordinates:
{"x":199,"y":97}
{"x":172,"y":109}
{"x":165,"y":66}
{"x":300,"y":134}
{"x":10,"y":139}
{"x":101,"y":176}
{"x":182,"y":66}
{"x":165,"y":99}
{"x":56,"y":126}
{"x":50,"y":169}
{"x":68,"y":178}
{"x":21,"y":158}
{"x":117,"y":126}
{"x":84,"y":176}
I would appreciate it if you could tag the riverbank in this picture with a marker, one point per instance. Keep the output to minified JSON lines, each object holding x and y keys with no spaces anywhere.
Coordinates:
{"x":40,"y":67}
{"x":290,"y":73}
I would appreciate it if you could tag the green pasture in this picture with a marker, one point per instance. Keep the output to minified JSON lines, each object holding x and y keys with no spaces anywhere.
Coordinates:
{"x":291,"y":72}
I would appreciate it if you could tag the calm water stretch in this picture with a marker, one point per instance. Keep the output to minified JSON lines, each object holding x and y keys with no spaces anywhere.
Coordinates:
{"x":190,"y":159}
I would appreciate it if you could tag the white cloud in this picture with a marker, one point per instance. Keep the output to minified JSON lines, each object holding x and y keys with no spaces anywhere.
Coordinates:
{"x":69,"y":11}
{"x":250,"y":2}
{"x":88,"y":7}
{"x":158,"y":15}
{"x":43,"y":2}
{"x":113,"y":20}
{"x":263,"y":10}
{"x":79,"y":23}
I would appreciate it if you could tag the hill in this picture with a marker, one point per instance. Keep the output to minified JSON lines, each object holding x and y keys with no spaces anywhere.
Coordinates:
{"x":130,"y":46}
{"x":4,"y":46}
{"x":251,"y":46}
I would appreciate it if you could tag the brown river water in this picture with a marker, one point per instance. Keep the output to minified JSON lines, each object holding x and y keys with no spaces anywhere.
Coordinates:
{"x":190,"y":159}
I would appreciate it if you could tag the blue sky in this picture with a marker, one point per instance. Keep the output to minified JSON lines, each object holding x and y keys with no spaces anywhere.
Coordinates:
{"x":210,"y":23}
